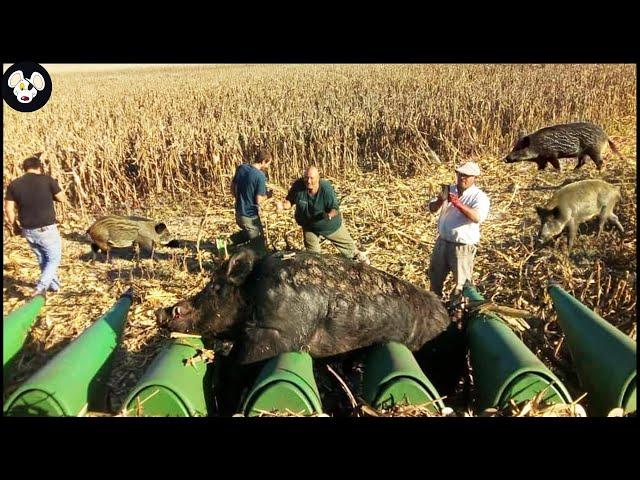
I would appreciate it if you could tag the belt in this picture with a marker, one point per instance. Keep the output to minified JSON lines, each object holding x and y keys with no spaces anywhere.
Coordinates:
{"x":455,"y":243}
{"x":40,"y":229}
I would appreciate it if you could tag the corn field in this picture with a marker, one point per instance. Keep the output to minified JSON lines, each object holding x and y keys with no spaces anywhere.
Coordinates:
{"x":117,"y":140}
{"x":164,"y":142}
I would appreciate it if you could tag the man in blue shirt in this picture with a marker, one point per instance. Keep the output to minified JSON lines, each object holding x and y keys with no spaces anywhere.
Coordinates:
{"x":249,"y":188}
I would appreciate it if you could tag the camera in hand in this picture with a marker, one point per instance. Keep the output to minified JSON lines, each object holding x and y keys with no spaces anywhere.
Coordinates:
{"x":444,"y":191}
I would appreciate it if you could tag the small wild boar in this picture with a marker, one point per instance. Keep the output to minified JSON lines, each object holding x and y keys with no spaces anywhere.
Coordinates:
{"x":115,"y":231}
{"x":570,"y":140}
{"x":576,"y":203}
{"x":303,"y":301}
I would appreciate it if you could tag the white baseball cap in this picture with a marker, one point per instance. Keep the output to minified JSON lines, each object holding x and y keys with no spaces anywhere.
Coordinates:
{"x":469,"y":168}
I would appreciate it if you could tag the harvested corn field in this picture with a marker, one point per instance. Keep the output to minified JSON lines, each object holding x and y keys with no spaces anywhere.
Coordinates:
{"x":385,"y":135}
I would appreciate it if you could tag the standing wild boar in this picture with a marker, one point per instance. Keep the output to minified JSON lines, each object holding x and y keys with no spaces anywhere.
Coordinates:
{"x":570,"y":140}
{"x":120,"y":232}
{"x":576,"y":203}
{"x":325,"y":305}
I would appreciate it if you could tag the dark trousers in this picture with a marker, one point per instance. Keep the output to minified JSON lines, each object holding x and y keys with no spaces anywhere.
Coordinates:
{"x":251,"y":232}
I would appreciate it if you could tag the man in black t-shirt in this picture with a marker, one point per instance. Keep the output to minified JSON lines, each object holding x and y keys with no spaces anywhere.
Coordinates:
{"x":33,"y":194}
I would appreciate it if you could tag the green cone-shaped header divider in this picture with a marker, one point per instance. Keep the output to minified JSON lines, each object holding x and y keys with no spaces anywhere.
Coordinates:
{"x":286,"y":383}
{"x":392,"y":377}
{"x":503,"y":367}
{"x":16,"y":326}
{"x":604,"y":357}
{"x":75,"y":380}
{"x":173,"y":385}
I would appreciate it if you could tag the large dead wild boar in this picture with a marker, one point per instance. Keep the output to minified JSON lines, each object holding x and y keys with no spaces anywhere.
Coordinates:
{"x":325,"y":305}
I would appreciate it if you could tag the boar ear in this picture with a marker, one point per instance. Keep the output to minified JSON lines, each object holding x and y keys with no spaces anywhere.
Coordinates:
{"x":521,"y":134}
{"x":555,"y":212}
{"x":524,"y":142}
{"x":240,"y":266}
{"x":160,"y":227}
{"x":542,"y":212}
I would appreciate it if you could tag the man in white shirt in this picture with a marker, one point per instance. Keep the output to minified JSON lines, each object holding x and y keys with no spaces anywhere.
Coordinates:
{"x":463,"y":210}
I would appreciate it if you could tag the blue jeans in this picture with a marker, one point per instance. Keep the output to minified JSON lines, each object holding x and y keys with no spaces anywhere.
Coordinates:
{"x":47,"y":245}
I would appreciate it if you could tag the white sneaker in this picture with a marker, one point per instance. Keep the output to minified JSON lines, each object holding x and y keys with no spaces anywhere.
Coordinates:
{"x":362,"y":258}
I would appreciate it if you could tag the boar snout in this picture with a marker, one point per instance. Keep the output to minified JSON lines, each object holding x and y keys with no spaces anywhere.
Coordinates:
{"x":163,"y":316}
{"x":542,"y":240}
{"x":182,"y":317}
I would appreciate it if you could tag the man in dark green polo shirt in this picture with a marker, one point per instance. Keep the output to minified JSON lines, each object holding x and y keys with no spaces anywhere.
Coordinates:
{"x":317,"y":212}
